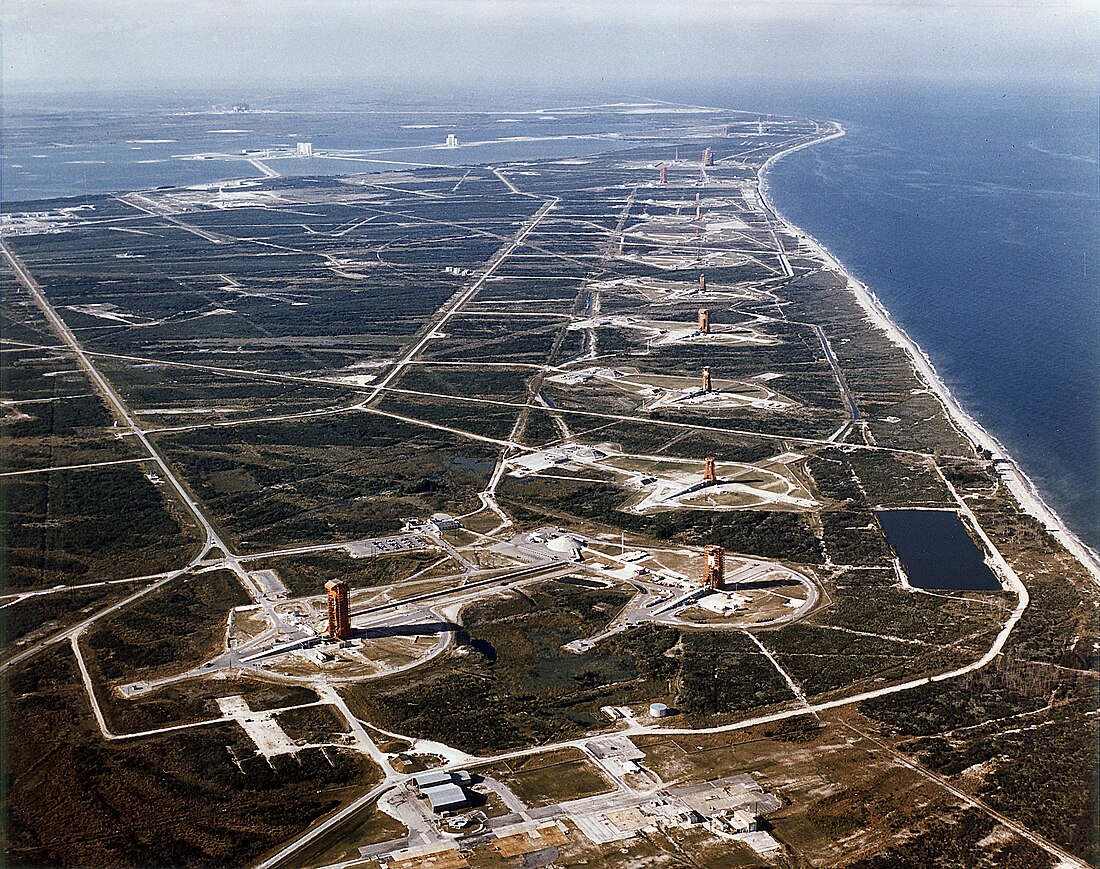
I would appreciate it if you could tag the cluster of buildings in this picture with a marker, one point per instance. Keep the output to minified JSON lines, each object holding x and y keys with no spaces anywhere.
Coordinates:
{"x":436,"y":524}
{"x":730,"y":807}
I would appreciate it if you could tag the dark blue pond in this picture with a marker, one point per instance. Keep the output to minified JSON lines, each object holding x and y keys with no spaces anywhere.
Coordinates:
{"x":936,"y":550}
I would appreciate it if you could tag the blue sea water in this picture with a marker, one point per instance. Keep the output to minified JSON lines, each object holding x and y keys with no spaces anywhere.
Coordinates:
{"x":974,"y":216}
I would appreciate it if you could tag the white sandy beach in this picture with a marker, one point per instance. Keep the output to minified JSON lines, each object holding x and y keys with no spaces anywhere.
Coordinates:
{"x":1021,"y":486}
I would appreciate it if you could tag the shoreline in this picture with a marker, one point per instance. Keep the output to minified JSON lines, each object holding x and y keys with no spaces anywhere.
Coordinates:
{"x":1013,"y":476}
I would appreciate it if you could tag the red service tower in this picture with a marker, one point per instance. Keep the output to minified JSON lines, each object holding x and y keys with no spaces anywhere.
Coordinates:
{"x":339,"y":612}
{"x":704,"y":321}
{"x":703,"y":282}
{"x":715,"y":567}
{"x":664,"y":174}
{"x":706,"y":378}
{"x":708,"y":157}
{"x":709,"y":475}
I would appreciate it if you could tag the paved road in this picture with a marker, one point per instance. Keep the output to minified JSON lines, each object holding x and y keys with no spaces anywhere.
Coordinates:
{"x":837,"y":373}
{"x":118,"y":407}
{"x":1019,"y":829}
{"x":471,"y":589}
{"x":324,"y":826}
{"x":20,"y":596}
{"x":72,"y":467}
{"x":78,"y":628}
{"x":268,"y":375}
{"x":436,"y":326}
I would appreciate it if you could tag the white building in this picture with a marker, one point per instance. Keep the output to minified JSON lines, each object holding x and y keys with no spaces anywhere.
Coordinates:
{"x":444,"y":791}
{"x":573,"y":547}
{"x":442,"y":522}
{"x":446,"y":798}
{"x":452,"y":140}
{"x":304,"y":149}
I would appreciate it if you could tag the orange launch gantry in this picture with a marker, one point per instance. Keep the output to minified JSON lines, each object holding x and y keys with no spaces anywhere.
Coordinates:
{"x":714,"y":569}
{"x":708,"y":157}
{"x":703,"y":282}
{"x":339,"y":612}
{"x":704,"y":321}
{"x":664,"y":174}
{"x":709,"y":476}
{"x":706,"y":378}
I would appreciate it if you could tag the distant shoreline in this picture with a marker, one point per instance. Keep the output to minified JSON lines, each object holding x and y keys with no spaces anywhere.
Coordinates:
{"x":1014,"y":477}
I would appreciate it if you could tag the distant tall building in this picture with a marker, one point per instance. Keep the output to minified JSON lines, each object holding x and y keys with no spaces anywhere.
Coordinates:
{"x":339,"y":610}
{"x":714,"y":568}
{"x":304,"y":149}
{"x":708,"y":157}
{"x":710,"y":477}
{"x":452,"y":140}
{"x":704,"y":321}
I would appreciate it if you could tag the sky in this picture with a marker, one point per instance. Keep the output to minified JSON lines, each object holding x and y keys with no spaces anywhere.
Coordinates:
{"x":81,"y":45}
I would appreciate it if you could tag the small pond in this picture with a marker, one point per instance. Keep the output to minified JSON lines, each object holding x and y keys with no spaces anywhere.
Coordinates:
{"x":936,"y":550}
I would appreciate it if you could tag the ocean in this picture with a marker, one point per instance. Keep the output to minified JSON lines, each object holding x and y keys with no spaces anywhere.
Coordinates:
{"x":972,"y":213}
{"x":974,"y":216}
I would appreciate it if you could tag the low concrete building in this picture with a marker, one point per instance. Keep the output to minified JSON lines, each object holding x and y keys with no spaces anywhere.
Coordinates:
{"x":723,"y":798}
{"x":444,"y":791}
{"x":723,"y":603}
{"x":432,"y":779}
{"x":446,"y":798}
{"x":442,"y":522}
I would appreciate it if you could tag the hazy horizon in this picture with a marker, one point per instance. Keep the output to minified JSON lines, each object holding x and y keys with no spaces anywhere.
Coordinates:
{"x":68,"y":46}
